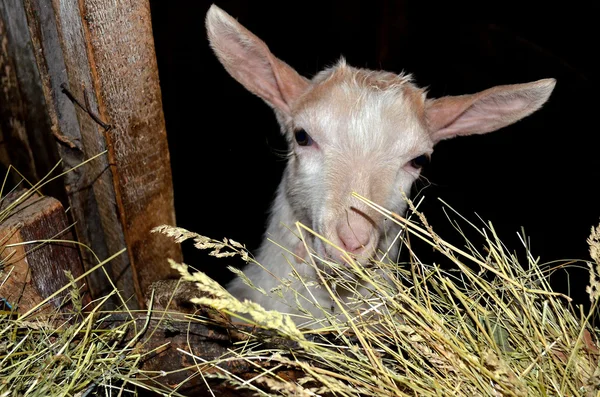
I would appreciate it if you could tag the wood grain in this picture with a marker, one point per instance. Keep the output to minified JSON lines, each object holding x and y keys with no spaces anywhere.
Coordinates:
{"x":89,"y":188}
{"x":32,"y":269}
{"x":23,"y":126}
{"x":123,"y":63}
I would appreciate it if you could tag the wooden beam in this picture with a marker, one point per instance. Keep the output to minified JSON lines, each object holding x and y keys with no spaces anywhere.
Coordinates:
{"x":121,"y":54}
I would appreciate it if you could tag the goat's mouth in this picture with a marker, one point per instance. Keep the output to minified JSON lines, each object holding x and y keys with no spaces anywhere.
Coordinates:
{"x":339,"y":261}
{"x":332,"y":258}
{"x":345,"y":269}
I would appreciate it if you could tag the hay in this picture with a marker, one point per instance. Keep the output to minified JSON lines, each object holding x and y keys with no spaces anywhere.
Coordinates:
{"x":494,"y":328}
{"x":491,"y":327}
{"x":64,"y":348}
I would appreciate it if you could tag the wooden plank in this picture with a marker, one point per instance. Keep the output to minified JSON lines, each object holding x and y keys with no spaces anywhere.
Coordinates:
{"x":89,"y":188}
{"x":32,"y":272}
{"x":12,"y":129}
{"x":121,"y":54}
{"x":20,"y":95}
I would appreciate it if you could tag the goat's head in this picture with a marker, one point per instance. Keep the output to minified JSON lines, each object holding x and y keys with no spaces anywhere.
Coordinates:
{"x":358,"y":130}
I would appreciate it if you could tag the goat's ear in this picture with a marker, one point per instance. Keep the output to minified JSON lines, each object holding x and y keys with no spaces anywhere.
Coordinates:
{"x":485,"y":111}
{"x":248,"y":60}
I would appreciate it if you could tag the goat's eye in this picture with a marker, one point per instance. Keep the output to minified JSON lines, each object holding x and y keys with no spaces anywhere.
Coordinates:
{"x":420,"y":161}
{"x":303,"y":138}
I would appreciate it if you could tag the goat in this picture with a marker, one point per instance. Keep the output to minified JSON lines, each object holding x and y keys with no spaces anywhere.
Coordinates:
{"x":348,"y":130}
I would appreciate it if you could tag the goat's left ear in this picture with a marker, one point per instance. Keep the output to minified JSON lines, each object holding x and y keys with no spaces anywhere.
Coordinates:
{"x":485,"y":111}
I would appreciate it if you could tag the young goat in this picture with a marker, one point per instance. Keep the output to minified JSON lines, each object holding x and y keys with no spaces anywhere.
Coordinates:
{"x":349,"y":130}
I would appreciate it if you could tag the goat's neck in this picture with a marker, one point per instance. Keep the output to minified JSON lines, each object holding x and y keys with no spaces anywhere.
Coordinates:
{"x":281,"y":229}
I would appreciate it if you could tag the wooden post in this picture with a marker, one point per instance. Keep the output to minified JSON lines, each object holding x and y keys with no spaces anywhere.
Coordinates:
{"x":93,"y":62}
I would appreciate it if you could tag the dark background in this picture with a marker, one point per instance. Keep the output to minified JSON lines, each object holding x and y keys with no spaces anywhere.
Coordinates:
{"x":540,"y":174}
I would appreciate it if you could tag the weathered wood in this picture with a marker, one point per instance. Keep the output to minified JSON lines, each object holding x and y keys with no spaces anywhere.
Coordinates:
{"x":12,"y":129}
{"x":210,"y":342}
{"x":171,"y":337}
{"x":89,"y":188}
{"x":102,"y":54}
{"x":33,"y":271}
{"x":23,"y":126}
{"x":121,"y":52}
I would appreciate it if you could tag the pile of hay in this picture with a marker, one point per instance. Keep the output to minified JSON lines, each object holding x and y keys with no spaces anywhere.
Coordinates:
{"x":493,"y":328}
{"x":61,"y":347}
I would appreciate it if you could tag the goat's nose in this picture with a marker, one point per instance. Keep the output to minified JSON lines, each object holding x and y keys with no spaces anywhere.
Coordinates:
{"x":354,"y":238}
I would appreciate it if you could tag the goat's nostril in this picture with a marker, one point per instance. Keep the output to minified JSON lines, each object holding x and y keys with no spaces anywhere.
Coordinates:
{"x":354,"y":241}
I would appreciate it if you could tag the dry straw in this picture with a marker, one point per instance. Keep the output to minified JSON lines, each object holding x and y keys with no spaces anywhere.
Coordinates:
{"x":52,"y":352}
{"x":492,"y":327}
{"x":483,"y":324}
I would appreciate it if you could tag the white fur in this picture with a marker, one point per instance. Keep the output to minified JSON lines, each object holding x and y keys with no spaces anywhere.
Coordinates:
{"x":367,"y":127}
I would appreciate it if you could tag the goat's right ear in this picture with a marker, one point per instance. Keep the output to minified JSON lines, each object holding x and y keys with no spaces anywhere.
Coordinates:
{"x":248,"y":60}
